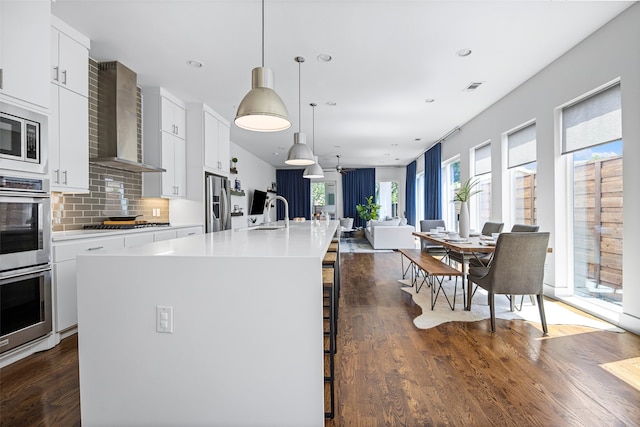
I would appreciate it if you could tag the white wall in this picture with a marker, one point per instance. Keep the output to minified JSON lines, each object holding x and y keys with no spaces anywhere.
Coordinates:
{"x":254,"y":174}
{"x":609,"y":54}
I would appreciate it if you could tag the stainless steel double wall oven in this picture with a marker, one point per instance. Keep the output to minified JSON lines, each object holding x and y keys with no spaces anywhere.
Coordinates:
{"x":25,"y":253}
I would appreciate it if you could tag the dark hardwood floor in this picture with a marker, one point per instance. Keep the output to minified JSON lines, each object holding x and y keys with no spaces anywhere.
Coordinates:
{"x":393,"y":374}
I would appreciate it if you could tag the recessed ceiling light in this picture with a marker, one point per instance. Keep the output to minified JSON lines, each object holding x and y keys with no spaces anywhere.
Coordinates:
{"x":464,"y":52}
{"x":394,"y":145}
{"x":324,"y":57}
{"x":418,"y":139}
{"x":193,"y":63}
{"x":429,"y":100}
{"x":331,"y":103}
{"x":275,"y":153}
{"x":337,"y":146}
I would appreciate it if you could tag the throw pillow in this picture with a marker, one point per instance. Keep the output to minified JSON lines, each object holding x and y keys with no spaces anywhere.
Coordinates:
{"x":403,"y":221}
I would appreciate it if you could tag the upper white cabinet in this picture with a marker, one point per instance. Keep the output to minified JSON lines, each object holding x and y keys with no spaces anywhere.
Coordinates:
{"x":24,"y":51}
{"x":69,"y":58}
{"x":69,"y":123}
{"x":164,"y":144}
{"x":209,"y":139}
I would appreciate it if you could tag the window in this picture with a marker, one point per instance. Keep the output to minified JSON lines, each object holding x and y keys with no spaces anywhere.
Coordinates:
{"x":481,"y":206}
{"x":323,"y":198}
{"x":387,"y":198}
{"x":521,"y":161}
{"x":450,"y":182}
{"x":592,"y":143}
{"x":419,"y":198}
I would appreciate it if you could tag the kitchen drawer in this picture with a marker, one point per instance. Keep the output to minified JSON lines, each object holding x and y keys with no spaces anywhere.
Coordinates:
{"x":192,"y":231}
{"x":137,"y":239}
{"x":64,"y":251}
{"x":164,"y":235}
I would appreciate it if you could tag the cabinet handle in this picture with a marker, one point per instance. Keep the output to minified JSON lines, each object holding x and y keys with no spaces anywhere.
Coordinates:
{"x":0,"y":78}
{"x":191,"y":234}
{"x":57,"y":172}
{"x":65,"y":177}
{"x":95,"y":249}
{"x":56,"y":74}
{"x":64,"y":77}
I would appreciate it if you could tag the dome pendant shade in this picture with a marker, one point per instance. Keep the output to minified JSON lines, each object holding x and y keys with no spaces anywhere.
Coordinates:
{"x":261,"y":109}
{"x":313,"y":171}
{"x":300,"y":154}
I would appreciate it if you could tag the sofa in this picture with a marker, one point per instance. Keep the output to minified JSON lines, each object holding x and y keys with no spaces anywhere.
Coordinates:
{"x":390,"y":234}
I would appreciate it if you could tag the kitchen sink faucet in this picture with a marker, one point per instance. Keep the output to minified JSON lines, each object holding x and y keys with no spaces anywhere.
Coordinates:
{"x":286,"y":208}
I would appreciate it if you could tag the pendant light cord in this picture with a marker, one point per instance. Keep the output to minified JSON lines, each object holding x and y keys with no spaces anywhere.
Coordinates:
{"x":313,"y":127}
{"x":299,"y":96}
{"x":262,"y":33}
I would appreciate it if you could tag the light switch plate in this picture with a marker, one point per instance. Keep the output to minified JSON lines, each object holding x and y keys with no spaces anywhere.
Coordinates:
{"x":164,"y":319}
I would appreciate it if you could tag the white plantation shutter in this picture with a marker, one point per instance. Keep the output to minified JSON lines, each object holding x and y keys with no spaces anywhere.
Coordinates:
{"x":521,"y":146}
{"x":592,"y":121}
{"x":482,"y":160}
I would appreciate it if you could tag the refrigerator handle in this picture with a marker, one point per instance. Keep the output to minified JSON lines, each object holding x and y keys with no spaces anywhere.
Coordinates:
{"x":224,"y":214}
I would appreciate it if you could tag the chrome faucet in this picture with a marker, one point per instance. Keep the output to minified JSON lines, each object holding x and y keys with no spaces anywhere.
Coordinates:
{"x":286,"y":208}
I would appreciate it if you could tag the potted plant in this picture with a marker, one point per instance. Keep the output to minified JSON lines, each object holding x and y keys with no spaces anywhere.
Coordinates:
{"x":369,"y":210}
{"x":234,"y":163}
{"x":462,"y":195}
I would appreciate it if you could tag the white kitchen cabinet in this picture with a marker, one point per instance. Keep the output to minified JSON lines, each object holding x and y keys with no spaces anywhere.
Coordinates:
{"x":159,"y":236}
{"x":216,"y":140}
{"x":69,"y":122}
{"x":164,"y":144}
{"x":131,"y":240}
{"x":69,"y":58}
{"x":64,"y":275}
{"x":69,"y":141}
{"x":24,"y":51}
{"x":191,"y":231}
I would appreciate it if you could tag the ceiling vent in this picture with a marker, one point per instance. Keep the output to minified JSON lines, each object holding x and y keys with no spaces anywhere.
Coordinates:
{"x":472,"y":86}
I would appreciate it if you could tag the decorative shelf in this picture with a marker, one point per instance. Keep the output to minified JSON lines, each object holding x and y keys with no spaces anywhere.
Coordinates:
{"x":237,"y":193}
{"x":237,"y":213}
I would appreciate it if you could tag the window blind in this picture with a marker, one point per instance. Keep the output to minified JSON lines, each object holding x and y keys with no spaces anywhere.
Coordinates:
{"x":521,"y":146}
{"x":592,"y":121}
{"x":483,"y":159}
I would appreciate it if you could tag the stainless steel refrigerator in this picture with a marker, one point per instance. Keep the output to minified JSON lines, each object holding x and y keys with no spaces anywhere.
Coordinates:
{"x":217,"y":203}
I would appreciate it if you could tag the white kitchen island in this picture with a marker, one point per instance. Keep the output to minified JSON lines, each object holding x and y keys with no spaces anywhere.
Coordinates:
{"x":247,"y":341}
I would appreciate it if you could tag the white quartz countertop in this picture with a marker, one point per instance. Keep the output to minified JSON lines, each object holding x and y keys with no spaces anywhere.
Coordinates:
{"x":301,"y":239}
{"x":59,"y":236}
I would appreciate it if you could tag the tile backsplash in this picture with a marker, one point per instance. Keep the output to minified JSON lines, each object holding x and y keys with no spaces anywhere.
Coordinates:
{"x":111,"y":191}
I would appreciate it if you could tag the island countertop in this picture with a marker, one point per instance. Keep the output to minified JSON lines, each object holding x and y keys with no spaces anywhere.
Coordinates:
{"x":300,"y":239}
{"x":245,"y":345}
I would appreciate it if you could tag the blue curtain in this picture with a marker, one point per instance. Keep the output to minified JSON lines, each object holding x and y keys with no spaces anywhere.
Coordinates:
{"x":432,"y":183}
{"x":410,"y":194}
{"x":357,"y":185}
{"x":297,"y":190}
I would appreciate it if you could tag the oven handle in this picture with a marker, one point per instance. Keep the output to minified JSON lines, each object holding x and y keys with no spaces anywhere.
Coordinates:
{"x":24,"y":271}
{"x":31,"y":195}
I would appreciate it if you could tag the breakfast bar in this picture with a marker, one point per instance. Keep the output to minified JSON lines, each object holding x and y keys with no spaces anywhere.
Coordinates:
{"x":223,"y":328}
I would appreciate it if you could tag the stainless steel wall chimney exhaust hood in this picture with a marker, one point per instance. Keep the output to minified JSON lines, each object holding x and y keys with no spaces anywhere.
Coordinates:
{"x":117,"y":119}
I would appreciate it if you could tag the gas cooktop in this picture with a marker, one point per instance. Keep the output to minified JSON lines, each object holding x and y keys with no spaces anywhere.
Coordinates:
{"x":125,"y":226}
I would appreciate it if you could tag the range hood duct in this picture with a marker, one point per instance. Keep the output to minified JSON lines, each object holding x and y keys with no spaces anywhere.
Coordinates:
{"x":118,"y":119}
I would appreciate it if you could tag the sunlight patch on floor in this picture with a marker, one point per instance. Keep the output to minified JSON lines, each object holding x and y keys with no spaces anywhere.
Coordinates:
{"x":628,"y":370}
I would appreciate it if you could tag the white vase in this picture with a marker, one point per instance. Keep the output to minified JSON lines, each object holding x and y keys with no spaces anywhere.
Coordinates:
{"x":463,"y":220}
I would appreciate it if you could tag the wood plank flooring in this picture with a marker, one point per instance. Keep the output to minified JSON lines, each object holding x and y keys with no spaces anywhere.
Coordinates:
{"x":390,"y":373}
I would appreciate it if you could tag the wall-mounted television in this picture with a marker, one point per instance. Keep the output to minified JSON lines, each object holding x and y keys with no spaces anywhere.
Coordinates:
{"x":257,"y":204}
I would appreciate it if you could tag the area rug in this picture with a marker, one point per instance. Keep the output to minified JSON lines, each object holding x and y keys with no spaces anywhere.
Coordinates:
{"x":356,"y":245}
{"x":555,"y":313}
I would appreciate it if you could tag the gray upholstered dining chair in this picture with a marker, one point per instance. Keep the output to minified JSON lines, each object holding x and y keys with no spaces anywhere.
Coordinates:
{"x":517,"y":269}
{"x":431,"y":248}
{"x":483,"y":261}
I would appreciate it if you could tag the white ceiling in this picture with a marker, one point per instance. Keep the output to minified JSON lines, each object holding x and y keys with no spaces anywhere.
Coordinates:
{"x":388,"y":57}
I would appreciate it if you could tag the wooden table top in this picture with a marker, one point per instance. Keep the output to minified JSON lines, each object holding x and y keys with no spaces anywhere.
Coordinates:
{"x":473,"y":244}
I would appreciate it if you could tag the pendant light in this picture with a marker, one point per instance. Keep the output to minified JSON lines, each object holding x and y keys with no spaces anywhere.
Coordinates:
{"x":299,"y":153}
{"x":261,"y":109}
{"x":313,"y":171}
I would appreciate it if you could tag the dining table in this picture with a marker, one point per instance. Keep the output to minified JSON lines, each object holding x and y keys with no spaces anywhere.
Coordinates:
{"x":473,"y":245}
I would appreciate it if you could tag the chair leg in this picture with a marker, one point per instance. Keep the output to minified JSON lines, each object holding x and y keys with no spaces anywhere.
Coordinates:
{"x":492,"y":308}
{"x":543,"y":319}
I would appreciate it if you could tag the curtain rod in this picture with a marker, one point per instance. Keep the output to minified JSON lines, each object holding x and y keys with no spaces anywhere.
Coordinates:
{"x":441,"y":139}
